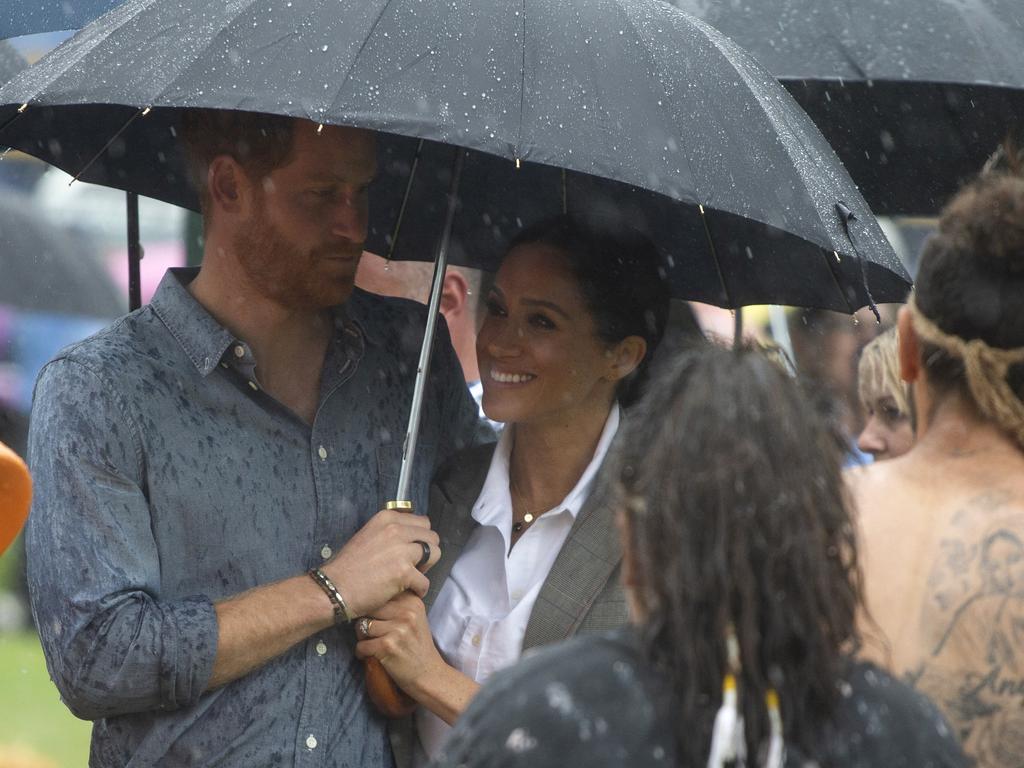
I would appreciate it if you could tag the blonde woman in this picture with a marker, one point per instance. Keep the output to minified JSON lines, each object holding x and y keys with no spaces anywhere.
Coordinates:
{"x":888,"y":426}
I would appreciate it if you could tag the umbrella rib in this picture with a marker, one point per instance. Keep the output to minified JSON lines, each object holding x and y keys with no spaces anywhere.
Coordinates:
{"x":405,"y":200}
{"x":714,"y":255}
{"x":362,"y":47}
{"x":653,"y":62}
{"x":111,"y":140}
{"x":835,"y":278}
{"x":522,"y":88}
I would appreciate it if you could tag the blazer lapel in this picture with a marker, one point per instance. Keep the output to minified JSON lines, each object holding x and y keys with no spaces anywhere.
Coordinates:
{"x":452,"y":496}
{"x":579,"y":574}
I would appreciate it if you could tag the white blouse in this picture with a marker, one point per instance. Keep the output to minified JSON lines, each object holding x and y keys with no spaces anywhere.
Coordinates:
{"x":480,"y":615}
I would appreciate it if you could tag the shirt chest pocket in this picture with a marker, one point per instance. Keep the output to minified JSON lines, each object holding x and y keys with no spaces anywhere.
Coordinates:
{"x":389,"y":464}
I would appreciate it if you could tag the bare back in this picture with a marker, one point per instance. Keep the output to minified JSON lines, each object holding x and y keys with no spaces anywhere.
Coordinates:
{"x":943,"y":555}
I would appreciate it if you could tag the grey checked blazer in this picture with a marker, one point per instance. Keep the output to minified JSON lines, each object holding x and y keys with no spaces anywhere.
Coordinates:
{"x":582,"y":592}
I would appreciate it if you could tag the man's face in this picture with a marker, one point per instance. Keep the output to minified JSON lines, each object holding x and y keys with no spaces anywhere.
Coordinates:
{"x":301,"y":244}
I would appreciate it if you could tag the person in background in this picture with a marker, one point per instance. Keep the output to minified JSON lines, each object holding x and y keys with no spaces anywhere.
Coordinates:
{"x":826,"y":346}
{"x":530,"y":550}
{"x":462,"y":303}
{"x":885,"y":398}
{"x":943,"y":525}
{"x":741,"y":569}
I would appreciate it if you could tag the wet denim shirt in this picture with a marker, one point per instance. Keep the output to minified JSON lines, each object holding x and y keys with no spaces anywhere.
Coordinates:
{"x":166,"y":480}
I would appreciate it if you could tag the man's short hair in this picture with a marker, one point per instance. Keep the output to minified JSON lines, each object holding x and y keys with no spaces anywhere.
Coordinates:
{"x":258,"y":142}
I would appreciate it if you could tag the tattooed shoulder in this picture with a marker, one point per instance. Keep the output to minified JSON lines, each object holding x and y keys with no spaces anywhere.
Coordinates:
{"x":974,"y":617}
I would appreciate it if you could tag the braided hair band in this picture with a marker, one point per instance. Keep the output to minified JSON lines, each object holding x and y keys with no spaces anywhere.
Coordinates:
{"x":986,"y":368}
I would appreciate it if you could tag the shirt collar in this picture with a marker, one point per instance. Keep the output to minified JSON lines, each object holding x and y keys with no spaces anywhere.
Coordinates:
{"x":357,"y":313}
{"x":494,"y":504}
{"x":205,"y":340}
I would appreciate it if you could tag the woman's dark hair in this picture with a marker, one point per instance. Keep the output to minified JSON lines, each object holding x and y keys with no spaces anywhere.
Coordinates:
{"x":970,"y":282}
{"x":620,"y":274}
{"x":737,"y":516}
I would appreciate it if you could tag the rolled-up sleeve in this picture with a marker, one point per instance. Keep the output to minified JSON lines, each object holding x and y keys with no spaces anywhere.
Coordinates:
{"x":114,"y":643}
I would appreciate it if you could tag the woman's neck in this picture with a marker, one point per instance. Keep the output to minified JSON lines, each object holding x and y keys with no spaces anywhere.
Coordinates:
{"x":548,"y":458}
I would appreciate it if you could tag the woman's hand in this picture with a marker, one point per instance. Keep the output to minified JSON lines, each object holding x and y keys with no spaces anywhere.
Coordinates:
{"x":399,"y":638}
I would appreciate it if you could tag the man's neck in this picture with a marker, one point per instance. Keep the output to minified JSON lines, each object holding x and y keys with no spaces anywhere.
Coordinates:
{"x":288,"y":344}
{"x":953,"y":428}
{"x":228,"y":293}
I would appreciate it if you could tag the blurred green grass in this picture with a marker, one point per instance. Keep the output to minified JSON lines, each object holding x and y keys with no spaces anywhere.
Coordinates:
{"x":36,"y":729}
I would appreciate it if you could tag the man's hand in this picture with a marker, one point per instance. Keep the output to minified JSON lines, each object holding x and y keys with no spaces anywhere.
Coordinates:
{"x":379,"y":562}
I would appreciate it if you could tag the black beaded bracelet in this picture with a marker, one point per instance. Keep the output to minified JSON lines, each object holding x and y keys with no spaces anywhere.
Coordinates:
{"x":341,"y":613}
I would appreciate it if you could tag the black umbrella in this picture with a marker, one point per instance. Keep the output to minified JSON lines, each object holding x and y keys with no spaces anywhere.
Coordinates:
{"x":44,"y":269}
{"x":491,"y":114}
{"x":914,"y":95}
{"x":643,"y":107}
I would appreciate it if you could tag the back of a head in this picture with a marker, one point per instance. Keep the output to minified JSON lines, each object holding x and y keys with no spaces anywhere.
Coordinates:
{"x":970,"y":282}
{"x":622,"y":277}
{"x":737,"y":517}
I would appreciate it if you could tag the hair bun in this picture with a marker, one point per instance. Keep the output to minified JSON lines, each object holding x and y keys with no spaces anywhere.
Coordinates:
{"x":991,"y":221}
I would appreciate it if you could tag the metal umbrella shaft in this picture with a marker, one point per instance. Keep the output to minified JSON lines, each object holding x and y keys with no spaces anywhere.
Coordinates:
{"x":392,"y":701}
{"x":134,"y":252}
{"x":426,"y":351}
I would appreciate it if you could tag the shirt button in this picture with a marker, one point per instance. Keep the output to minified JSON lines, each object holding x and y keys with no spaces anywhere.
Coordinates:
{"x":254,"y":386}
{"x":517,"y":596}
{"x":311,"y":741}
{"x":476,"y":641}
{"x":322,"y":452}
{"x":239,"y":350}
{"x":321,"y":648}
{"x":326,"y":552}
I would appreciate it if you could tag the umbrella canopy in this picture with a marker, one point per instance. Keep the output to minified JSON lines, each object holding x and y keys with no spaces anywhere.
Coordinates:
{"x":596,"y":105}
{"x":45,"y":270}
{"x":29,"y":17}
{"x":913,"y":95}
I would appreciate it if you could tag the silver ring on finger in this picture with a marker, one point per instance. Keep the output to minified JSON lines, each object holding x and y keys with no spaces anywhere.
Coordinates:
{"x":364,"y":627}
{"x":425,"y":557}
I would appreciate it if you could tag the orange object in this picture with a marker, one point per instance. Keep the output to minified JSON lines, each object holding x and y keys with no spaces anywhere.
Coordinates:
{"x":390,"y":700}
{"x":15,"y":495}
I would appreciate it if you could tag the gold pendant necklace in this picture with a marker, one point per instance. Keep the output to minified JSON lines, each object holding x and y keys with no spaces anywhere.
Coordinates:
{"x":528,"y":517}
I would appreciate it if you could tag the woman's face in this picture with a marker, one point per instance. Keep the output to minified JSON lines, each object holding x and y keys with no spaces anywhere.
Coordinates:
{"x":539,"y":353}
{"x":887,"y":430}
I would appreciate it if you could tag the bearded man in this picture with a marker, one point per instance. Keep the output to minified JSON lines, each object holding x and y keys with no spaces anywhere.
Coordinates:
{"x":208,"y":469}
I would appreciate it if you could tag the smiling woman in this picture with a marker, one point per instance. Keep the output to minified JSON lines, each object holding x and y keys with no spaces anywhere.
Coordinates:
{"x":572,"y":320}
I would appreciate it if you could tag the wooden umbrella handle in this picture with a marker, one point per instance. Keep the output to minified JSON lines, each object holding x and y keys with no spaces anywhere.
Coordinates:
{"x":390,"y":700}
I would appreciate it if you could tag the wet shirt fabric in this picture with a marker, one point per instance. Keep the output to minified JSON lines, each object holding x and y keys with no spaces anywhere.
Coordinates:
{"x":595,"y":701}
{"x":166,"y":480}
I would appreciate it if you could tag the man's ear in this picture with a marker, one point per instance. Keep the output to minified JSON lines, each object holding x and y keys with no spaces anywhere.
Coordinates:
{"x":625,"y":356}
{"x":227,"y":183}
{"x":454,"y":294}
{"x":909,"y":348}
